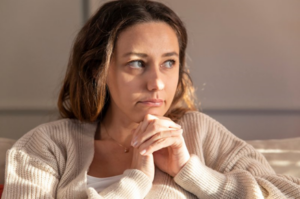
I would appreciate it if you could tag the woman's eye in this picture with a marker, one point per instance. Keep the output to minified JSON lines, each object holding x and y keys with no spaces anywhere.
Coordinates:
{"x":169,"y":63}
{"x":136,"y":64}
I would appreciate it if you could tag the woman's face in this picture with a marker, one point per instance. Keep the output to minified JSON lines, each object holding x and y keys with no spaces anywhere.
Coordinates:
{"x":144,"y":71}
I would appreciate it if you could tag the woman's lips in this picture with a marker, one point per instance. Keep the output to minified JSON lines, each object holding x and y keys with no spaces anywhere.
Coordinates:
{"x":152,"y":102}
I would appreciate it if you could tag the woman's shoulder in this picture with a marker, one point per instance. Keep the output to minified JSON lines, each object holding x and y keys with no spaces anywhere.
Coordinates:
{"x":199,"y":118}
{"x":200,"y":122}
{"x":56,"y":133}
{"x":51,"y":145}
{"x":197,"y":123}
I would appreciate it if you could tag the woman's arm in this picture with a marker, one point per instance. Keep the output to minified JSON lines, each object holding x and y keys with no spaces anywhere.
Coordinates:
{"x":224,"y":166}
{"x":205,"y":182}
{"x":51,"y":162}
{"x":28,"y":177}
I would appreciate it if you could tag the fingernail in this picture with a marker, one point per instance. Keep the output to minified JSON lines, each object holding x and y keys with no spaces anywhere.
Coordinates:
{"x":143,"y":152}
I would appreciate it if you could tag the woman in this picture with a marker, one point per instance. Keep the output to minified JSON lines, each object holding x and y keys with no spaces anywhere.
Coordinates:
{"x":131,"y":129}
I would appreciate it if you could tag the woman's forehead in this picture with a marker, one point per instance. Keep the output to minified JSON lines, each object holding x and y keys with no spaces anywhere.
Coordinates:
{"x":151,"y":37}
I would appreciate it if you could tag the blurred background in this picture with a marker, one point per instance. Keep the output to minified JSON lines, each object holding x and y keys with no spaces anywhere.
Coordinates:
{"x":244,"y":58}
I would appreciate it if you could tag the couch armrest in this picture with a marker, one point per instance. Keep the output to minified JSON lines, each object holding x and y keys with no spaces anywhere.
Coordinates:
{"x":282,"y":154}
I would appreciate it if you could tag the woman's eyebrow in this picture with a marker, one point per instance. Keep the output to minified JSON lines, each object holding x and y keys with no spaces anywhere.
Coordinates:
{"x":136,"y":54}
{"x":168,"y":54}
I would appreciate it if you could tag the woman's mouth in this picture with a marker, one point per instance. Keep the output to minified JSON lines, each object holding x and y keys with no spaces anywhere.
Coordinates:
{"x":152,"y":102}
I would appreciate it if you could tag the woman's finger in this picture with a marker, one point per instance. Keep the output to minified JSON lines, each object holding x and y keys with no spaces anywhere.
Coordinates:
{"x":164,"y":121}
{"x":160,"y":140}
{"x":142,"y":127}
{"x":160,"y":144}
{"x":154,"y":127}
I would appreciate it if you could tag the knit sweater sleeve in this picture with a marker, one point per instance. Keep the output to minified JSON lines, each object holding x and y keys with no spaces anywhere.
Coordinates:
{"x":37,"y":167}
{"x":223,"y":166}
{"x":28,"y":175}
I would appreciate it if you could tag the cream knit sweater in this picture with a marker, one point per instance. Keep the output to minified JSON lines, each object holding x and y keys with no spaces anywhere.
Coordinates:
{"x":52,"y":160}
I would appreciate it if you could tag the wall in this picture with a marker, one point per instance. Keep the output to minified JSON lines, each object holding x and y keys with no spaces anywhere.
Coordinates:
{"x":243,"y":56}
{"x":35,"y":41}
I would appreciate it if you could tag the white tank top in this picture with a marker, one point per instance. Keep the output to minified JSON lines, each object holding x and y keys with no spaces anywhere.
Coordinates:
{"x":101,"y":183}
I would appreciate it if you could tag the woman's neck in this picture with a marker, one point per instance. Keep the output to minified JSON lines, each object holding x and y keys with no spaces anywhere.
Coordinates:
{"x":117,"y":127}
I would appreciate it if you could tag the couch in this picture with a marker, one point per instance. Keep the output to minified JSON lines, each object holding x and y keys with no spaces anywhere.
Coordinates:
{"x":282,"y":154}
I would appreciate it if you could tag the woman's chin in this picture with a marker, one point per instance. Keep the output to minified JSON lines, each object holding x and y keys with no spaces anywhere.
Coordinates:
{"x":141,"y":114}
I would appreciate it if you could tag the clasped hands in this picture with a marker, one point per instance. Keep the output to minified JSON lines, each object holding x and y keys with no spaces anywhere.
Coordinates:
{"x":158,"y":141}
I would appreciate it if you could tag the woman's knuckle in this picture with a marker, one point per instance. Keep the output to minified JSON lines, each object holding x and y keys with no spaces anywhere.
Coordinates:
{"x":155,"y":128}
{"x":147,"y":116}
{"x":158,"y":135}
{"x":155,"y":122}
{"x":161,"y":141}
{"x":151,"y":147}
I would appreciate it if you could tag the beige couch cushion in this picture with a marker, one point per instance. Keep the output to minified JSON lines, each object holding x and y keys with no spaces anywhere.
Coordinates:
{"x":282,"y":154}
{"x":5,"y":144}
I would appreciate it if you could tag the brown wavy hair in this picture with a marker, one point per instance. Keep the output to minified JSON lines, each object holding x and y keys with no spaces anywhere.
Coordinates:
{"x":84,"y":94}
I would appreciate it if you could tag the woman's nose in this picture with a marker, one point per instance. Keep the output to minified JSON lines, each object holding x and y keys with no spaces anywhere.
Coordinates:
{"x":155,"y":80}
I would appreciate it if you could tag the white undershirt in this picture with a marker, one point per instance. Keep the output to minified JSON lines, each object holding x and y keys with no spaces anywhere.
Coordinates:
{"x":101,"y":183}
